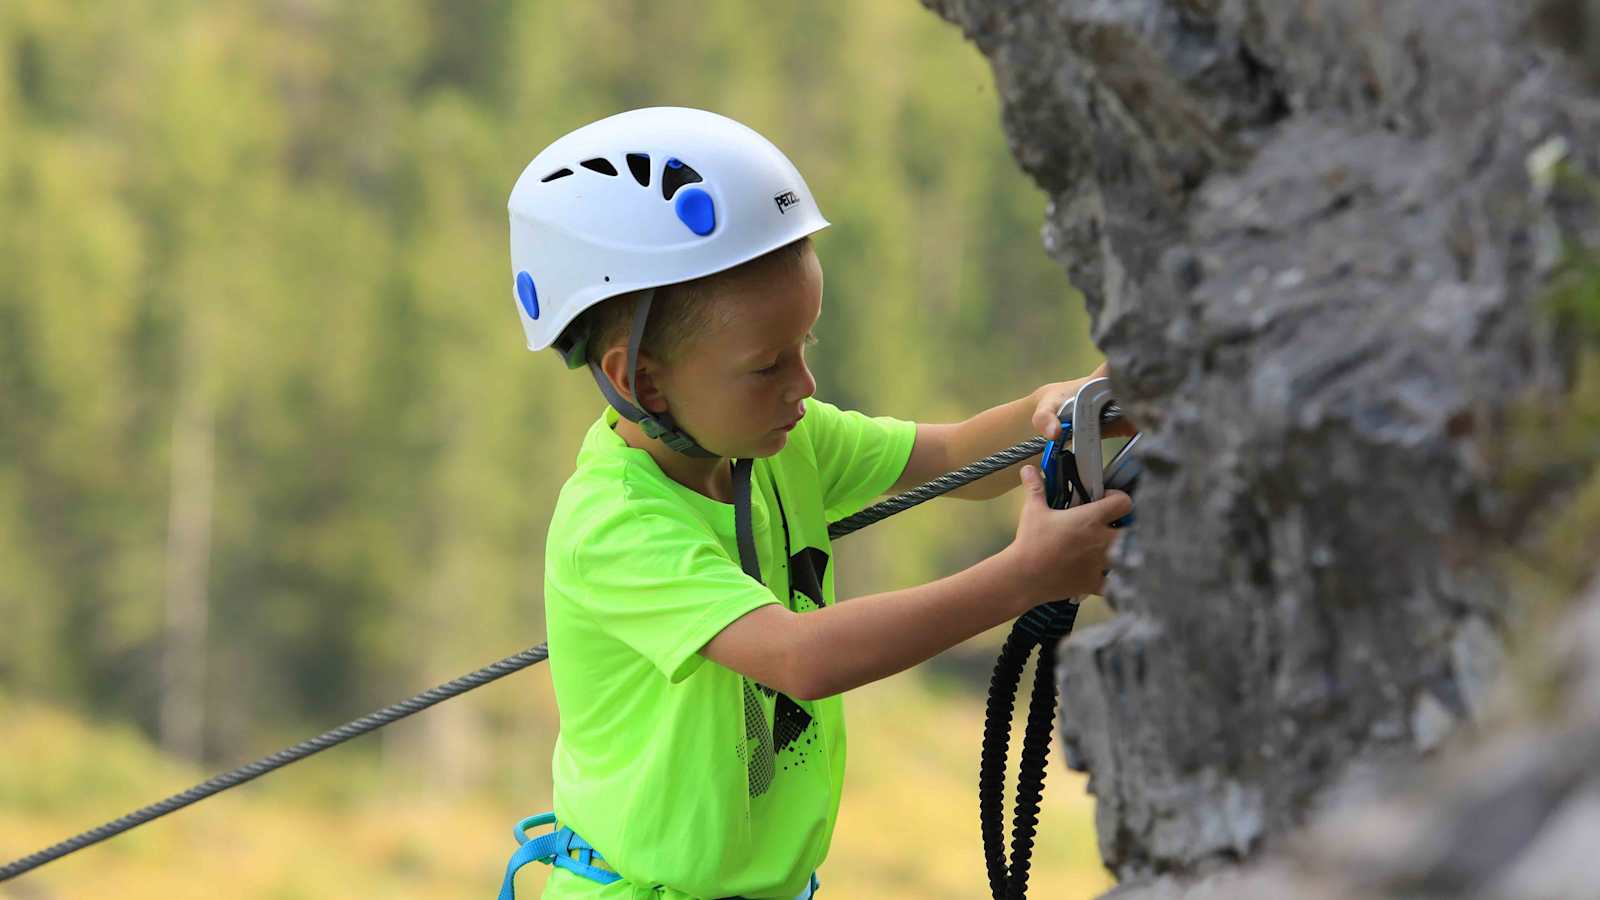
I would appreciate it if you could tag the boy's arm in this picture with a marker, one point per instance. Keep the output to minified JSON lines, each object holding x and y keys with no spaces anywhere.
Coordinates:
{"x":830,"y":650}
{"x":1056,"y":553}
{"x":944,"y":448}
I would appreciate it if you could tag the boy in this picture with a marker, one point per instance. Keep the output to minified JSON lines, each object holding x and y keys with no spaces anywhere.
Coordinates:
{"x":696,"y":647}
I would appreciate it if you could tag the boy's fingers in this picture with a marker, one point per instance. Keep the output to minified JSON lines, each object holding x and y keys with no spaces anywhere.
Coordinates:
{"x":1032,"y":481}
{"x":1113,"y":506}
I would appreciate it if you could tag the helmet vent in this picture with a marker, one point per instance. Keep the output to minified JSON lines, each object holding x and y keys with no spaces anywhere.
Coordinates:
{"x":559,"y":173}
{"x":639,"y":165}
{"x":601,"y":165}
{"x":676,"y":175}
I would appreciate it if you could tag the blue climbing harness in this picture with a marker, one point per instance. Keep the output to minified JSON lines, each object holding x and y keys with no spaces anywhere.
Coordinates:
{"x":556,"y":848}
{"x":564,"y":849}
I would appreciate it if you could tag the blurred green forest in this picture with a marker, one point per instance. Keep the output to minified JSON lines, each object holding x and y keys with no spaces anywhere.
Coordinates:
{"x":272,"y":450}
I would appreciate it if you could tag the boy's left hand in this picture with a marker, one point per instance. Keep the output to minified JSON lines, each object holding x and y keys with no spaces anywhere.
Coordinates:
{"x":1050,"y":397}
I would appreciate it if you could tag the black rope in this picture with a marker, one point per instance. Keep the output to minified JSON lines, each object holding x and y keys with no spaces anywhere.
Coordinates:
{"x":372,"y":721}
{"x":1031,"y":771}
{"x":992,"y":762}
{"x":1043,"y":627}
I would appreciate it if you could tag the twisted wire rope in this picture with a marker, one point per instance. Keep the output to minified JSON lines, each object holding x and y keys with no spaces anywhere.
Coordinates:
{"x":516,"y":662}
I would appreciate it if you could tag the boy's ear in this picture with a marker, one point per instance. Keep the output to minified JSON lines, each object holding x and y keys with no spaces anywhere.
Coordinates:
{"x":615,"y":364}
{"x":647,"y":381}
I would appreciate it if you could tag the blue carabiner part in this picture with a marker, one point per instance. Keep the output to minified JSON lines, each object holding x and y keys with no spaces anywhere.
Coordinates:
{"x":1049,"y":465}
{"x":1060,"y":469}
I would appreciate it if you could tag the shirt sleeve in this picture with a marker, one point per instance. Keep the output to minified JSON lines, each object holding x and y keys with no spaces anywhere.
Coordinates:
{"x":858,"y":457}
{"x":662,"y":584}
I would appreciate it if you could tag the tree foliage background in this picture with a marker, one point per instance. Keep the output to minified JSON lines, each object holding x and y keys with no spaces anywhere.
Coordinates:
{"x":272,"y":451}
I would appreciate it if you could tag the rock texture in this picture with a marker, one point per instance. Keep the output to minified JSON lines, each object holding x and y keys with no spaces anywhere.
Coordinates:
{"x":1312,"y":235}
{"x":1516,"y":814}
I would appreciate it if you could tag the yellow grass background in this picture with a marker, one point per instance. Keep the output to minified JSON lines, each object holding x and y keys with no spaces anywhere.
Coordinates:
{"x":332,"y":826}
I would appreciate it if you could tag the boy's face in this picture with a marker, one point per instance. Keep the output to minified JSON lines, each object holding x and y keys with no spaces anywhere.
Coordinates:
{"x":735,"y":387}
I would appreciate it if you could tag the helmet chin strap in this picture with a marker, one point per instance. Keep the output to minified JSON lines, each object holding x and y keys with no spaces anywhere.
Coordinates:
{"x":659,"y":425}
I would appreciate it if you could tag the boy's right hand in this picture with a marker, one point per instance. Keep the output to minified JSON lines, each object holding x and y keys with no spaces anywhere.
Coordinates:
{"x":1062,"y":552}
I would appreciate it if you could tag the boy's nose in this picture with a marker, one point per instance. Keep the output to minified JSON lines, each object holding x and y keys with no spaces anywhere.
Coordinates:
{"x":807,"y":385}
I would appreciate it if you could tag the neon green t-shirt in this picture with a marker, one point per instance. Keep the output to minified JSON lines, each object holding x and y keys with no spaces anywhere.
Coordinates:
{"x":689,"y":779}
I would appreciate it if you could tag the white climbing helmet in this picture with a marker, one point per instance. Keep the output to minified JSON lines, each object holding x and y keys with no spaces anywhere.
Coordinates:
{"x":641,"y":199}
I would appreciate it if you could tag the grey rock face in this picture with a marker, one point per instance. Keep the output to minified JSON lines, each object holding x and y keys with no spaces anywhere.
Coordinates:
{"x":1311,"y":235}
{"x":1513,"y":816}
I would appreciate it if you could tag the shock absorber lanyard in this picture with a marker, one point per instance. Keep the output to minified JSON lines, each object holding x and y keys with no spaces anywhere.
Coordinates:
{"x":1072,"y":477}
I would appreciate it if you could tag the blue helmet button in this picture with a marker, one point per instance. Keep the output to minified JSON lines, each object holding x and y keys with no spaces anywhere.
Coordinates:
{"x":527,"y":294}
{"x":694,"y":207}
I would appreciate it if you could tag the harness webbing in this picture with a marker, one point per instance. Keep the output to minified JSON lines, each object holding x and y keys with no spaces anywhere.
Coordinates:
{"x":375,"y":720}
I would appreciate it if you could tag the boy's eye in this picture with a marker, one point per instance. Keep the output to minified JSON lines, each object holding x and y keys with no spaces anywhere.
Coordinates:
{"x":809,"y":340}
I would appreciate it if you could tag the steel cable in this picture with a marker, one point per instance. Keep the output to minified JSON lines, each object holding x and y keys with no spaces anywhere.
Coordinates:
{"x":375,"y":720}
{"x":345,"y":732}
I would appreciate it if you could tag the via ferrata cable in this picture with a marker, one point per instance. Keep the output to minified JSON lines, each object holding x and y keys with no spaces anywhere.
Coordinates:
{"x":533,"y":655}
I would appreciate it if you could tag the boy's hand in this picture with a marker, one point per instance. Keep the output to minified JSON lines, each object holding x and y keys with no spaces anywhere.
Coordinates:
{"x":1050,"y":397}
{"x":1062,"y":552}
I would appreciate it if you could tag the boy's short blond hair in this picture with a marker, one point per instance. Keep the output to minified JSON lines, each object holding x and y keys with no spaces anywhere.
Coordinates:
{"x":678,"y":313}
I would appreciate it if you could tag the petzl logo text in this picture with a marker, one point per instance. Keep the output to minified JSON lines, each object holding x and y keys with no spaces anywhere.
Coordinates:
{"x":786,"y":200}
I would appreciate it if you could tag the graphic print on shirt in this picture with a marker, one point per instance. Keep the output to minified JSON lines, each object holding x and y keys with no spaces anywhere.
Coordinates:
{"x":790,"y":721}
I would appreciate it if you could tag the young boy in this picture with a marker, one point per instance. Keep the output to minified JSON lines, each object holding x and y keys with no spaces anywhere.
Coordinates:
{"x":696,"y":648}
